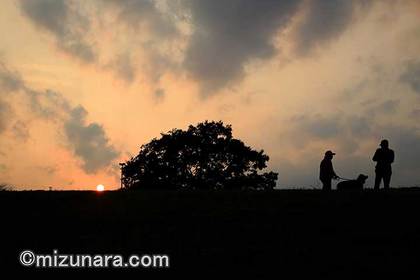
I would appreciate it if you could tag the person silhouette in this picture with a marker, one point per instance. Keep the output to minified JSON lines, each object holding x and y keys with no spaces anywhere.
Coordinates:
{"x":383,"y":157}
{"x":326,"y":171}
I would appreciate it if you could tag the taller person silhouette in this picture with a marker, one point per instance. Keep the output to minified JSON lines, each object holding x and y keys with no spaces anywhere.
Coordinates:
{"x":383,"y":157}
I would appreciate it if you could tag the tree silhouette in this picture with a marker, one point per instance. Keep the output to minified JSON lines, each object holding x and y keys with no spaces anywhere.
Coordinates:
{"x":205,"y":156}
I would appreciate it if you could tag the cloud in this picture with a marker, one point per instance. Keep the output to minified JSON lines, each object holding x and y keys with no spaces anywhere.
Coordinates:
{"x":411,"y":76}
{"x":323,"y":21}
{"x":20,"y":130}
{"x":3,"y":167}
{"x":318,"y":125}
{"x":359,"y":126}
{"x":89,"y":141}
{"x":49,"y":170}
{"x":144,"y":13}
{"x":48,"y":104}
{"x":159,"y":95}
{"x":62,"y":19}
{"x":292,"y":175}
{"x":388,"y":106}
{"x":70,"y":24}
{"x":346,"y":130}
{"x":221,"y":39}
{"x":415,"y":113}
{"x":5,"y":115}
{"x":124,"y":67}
{"x":385,"y":107}
{"x":9,"y":81}
{"x":228,"y":34}
{"x":155,"y":38}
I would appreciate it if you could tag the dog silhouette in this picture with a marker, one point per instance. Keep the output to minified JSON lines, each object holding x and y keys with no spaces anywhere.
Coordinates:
{"x":352,"y":185}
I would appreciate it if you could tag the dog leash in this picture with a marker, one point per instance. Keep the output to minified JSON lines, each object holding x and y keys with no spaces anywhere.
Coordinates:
{"x":345,"y":179}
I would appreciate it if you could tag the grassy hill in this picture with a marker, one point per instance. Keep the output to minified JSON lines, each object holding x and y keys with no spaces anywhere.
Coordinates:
{"x":295,"y":231}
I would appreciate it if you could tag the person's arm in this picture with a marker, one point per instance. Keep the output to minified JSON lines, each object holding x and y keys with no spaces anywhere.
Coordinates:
{"x":334,"y":175}
{"x":375,"y":156}
{"x":392,"y":157}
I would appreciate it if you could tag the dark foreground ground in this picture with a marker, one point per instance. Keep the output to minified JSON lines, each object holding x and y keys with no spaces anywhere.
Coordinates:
{"x":298,"y":232}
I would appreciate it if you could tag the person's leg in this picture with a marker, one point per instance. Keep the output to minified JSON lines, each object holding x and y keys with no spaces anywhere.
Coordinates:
{"x":326,"y":185}
{"x":378,"y":178}
{"x":387,"y":180}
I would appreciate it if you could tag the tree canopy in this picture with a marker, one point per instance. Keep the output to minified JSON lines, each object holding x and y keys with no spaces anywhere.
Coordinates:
{"x":205,"y":156}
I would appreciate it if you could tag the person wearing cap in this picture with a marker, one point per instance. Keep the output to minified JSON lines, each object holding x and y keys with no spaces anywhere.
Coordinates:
{"x":383,"y":157}
{"x":326,"y":171}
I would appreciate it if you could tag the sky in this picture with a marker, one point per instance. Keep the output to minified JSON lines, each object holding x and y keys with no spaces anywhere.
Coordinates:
{"x":83,"y":84}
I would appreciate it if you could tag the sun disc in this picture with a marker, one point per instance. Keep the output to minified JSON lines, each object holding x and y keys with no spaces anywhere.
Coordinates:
{"x":100,"y":188}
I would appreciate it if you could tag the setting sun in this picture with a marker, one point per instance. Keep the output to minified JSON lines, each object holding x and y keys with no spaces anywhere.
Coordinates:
{"x":100,"y":188}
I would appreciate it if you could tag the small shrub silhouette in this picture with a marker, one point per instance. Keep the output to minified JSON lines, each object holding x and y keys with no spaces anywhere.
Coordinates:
{"x":5,"y":187}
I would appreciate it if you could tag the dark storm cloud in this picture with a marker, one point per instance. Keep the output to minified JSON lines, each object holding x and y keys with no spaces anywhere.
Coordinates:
{"x":411,"y":76}
{"x":89,"y":141}
{"x":61,"y":18}
{"x":227,"y":34}
{"x":323,"y":21}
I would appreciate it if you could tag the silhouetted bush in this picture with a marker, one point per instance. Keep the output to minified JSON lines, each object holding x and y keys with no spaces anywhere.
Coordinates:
{"x":205,"y":156}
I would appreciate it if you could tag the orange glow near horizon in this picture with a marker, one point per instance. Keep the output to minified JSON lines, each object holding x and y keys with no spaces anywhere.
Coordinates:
{"x":100,"y":188}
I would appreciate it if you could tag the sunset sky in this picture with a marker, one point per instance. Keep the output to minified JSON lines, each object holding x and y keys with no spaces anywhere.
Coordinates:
{"x":83,"y":84}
